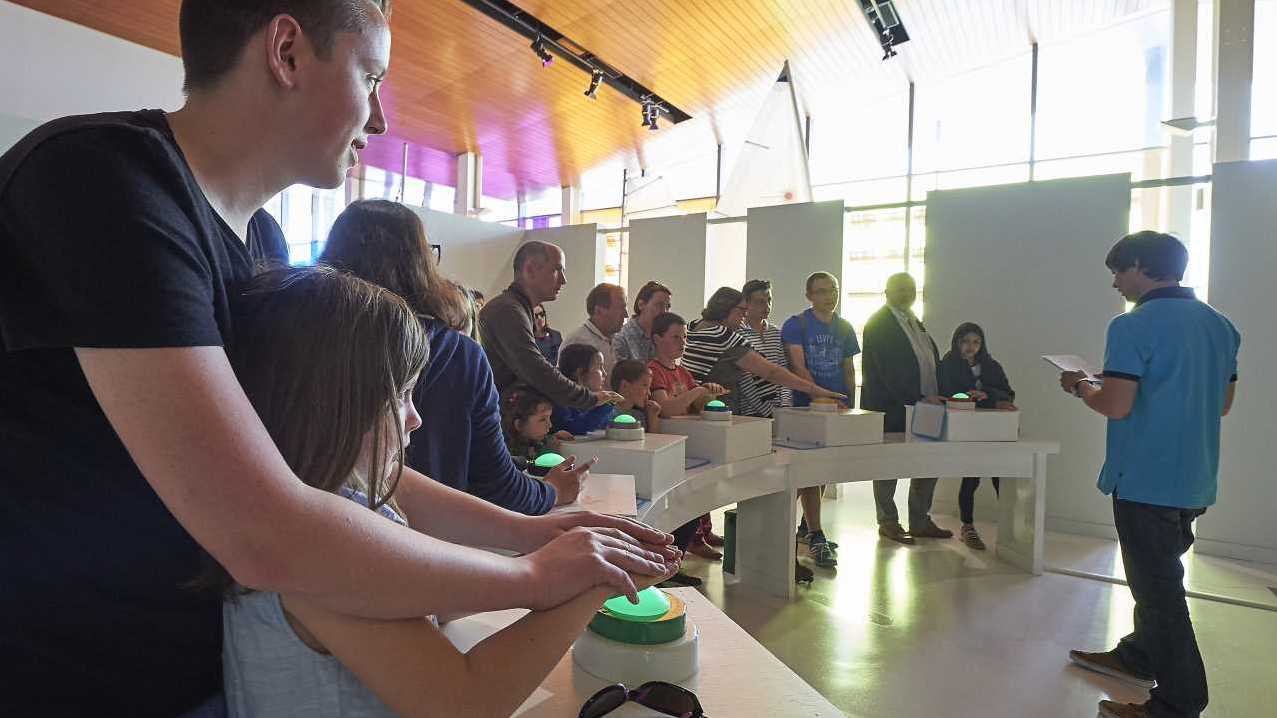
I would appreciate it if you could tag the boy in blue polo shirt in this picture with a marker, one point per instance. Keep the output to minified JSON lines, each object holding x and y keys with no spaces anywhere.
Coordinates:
{"x":820,"y":346}
{"x":1170,"y":372}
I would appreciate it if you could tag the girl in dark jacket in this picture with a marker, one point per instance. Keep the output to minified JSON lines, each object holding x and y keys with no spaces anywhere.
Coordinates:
{"x":969,"y":369}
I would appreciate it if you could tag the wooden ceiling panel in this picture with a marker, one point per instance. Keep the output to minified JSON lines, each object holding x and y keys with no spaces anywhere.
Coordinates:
{"x":461,"y":81}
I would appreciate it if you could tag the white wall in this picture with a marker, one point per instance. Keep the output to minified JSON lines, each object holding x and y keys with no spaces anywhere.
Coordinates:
{"x":672,"y":251}
{"x":1243,"y":257}
{"x":725,"y":250}
{"x":1026,"y":262}
{"x":585,"y":250}
{"x":54,"y":68}
{"x":476,"y":254}
{"x":787,"y":243}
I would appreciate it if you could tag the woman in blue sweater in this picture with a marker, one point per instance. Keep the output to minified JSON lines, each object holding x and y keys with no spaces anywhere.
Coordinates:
{"x":460,"y":442}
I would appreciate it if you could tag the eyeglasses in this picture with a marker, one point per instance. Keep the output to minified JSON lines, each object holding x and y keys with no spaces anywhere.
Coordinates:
{"x":658,"y":695}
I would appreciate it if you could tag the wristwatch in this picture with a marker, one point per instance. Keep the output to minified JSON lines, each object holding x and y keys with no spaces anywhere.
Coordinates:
{"x":1077,"y":386}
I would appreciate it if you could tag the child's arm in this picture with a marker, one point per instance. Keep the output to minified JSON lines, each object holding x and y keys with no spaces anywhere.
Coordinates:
{"x":417,"y":671}
{"x":653,"y":411}
{"x":677,"y":405}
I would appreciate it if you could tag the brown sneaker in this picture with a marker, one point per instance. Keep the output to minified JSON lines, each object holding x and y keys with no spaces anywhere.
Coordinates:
{"x":928,"y":529}
{"x":1110,"y":709}
{"x":895,"y":532}
{"x":1109,"y":664}
{"x":971,"y":538}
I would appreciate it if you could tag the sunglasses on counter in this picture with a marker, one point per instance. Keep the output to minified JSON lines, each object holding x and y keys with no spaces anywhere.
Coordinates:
{"x":658,"y":695}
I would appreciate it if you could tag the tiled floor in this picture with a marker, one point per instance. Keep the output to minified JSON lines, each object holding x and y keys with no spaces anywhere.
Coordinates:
{"x":938,"y":630}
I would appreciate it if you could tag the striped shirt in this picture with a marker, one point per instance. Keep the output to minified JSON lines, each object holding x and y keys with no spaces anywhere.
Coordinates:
{"x":772,"y":347}
{"x":712,"y":355}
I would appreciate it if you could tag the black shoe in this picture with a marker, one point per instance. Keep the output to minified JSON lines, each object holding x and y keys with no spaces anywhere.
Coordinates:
{"x":802,"y":574}
{"x":681,"y":579}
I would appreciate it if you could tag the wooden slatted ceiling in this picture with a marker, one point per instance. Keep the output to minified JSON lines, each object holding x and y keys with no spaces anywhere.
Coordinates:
{"x":460,"y":81}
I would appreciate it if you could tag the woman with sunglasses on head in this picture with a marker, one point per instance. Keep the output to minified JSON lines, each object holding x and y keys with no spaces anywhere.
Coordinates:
{"x":329,"y":362}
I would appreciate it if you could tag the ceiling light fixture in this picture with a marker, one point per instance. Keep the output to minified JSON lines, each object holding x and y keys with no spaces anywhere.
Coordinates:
{"x":538,"y":47}
{"x":596,"y":77}
{"x":884,"y":19}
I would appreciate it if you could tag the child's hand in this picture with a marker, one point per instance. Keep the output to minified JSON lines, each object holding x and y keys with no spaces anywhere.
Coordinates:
{"x":652,"y":406}
{"x":715,"y":389}
{"x":564,"y":436}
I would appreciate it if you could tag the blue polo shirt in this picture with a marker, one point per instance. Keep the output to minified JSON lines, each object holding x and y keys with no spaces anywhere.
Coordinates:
{"x":1183,"y":353}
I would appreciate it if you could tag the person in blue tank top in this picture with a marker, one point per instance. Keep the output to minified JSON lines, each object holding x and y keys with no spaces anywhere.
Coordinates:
{"x":1170,"y":373}
{"x":342,"y":419}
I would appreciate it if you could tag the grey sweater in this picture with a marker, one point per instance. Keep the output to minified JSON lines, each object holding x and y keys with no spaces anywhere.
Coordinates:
{"x":505,"y":330}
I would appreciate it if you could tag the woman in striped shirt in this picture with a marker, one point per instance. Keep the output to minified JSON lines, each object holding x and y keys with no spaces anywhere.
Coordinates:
{"x":716,"y":352}
{"x":766,"y":340}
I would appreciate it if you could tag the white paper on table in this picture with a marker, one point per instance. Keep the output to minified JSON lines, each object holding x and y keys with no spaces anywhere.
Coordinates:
{"x":1071,"y":362}
{"x":605,"y":494}
{"x":928,"y":420}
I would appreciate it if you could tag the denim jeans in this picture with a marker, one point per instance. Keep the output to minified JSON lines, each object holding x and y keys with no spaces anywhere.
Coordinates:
{"x":1153,"y":538}
{"x":966,"y":496}
{"x":920,"y":493}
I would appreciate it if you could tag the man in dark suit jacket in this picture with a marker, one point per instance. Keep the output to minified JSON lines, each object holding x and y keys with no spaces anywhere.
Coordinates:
{"x":899,"y":367}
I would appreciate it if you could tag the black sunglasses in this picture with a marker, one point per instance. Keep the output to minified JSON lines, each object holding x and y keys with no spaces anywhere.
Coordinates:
{"x":658,"y":695}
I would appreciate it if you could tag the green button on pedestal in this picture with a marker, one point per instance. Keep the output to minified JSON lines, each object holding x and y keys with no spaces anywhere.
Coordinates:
{"x":548,"y":460}
{"x":624,"y":420}
{"x":658,"y":618}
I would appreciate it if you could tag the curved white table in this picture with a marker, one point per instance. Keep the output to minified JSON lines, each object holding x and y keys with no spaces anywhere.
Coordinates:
{"x":765,"y":491}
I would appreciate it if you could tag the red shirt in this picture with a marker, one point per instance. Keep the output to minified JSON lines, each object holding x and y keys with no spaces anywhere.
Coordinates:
{"x":675,"y":381}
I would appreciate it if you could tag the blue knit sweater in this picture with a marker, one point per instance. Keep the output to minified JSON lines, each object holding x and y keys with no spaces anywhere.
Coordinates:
{"x":460,"y":442}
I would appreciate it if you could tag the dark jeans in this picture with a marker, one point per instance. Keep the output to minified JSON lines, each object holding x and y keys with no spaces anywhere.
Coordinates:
{"x":920,"y":493}
{"x":1163,"y":644}
{"x":966,"y":496}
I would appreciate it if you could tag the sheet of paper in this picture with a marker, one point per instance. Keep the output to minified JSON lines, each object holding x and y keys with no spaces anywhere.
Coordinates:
{"x":605,"y":494}
{"x":1070,"y":362}
{"x":928,"y":420}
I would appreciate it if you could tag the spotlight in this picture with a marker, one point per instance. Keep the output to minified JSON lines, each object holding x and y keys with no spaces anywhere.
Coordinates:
{"x":538,"y":47}
{"x":651,"y":111}
{"x":595,"y":78}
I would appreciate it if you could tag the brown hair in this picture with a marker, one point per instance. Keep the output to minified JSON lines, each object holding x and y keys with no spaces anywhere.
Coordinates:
{"x":628,"y":370}
{"x":814,"y":276}
{"x":721,"y":303}
{"x":324,"y":357}
{"x":663,"y":322}
{"x":385,"y":243}
{"x":518,"y":404}
{"x":213,"y":33}
{"x":600,"y":296}
{"x":645,"y":294}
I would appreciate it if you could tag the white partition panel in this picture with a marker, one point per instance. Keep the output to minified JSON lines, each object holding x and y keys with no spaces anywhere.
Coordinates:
{"x":789,"y":242}
{"x":1242,"y":260}
{"x":476,"y":254}
{"x":672,"y":251}
{"x":584,"y":248}
{"x":725,"y":256}
{"x":1026,"y":262}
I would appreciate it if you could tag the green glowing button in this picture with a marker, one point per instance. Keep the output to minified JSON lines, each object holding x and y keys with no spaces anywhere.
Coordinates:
{"x":653,"y":603}
{"x":624,"y":419}
{"x":961,"y":396}
{"x":715,"y":405}
{"x":548,"y":460}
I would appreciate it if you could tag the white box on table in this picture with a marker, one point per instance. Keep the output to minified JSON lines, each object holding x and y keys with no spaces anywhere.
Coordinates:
{"x":657,"y":461}
{"x":722,"y":442}
{"x":828,"y":428}
{"x":967,"y":424}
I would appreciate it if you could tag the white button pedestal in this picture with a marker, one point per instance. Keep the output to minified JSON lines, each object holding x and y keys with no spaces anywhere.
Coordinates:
{"x":828,"y":428}
{"x":722,"y":442}
{"x":657,"y":461}
{"x":971,"y":425}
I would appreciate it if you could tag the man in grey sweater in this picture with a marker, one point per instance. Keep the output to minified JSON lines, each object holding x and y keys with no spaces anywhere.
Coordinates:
{"x":506,"y":332}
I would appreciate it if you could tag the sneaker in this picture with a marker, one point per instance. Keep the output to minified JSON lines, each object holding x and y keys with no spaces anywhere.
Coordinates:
{"x":819,"y":537}
{"x":679,"y":580}
{"x":1111,"y":709}
{"x":1109,"y":664}
{"x":714,"y":539}
{"x":804,"y":537}
{"x":704,"y":550}
{"x":821,"y":554}
{"x":894,"y":531}
{"x":928,"y":529}
{"x":802,"y":574}
{"x":971,"y":537}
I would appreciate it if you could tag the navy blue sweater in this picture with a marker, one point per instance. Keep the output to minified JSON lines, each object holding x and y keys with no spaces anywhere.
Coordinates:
{"x":460,"y":442}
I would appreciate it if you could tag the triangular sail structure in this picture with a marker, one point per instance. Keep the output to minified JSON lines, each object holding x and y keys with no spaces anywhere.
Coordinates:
{"x":648,"y":196}
{"x":772,"y":166}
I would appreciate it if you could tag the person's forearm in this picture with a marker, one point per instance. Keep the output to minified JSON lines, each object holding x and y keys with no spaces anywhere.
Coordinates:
{"x":445,"y":513}
{"x":346,"y":555}
{"x":523,"y":654}
{"x":679,"y":405}
{"x":1098,"y":401}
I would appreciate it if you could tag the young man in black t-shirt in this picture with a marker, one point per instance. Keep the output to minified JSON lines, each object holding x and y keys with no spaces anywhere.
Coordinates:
{"x":126,"y":443}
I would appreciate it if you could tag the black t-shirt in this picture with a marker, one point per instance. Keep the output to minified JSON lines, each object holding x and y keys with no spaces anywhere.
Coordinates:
{"x":106,"y":240}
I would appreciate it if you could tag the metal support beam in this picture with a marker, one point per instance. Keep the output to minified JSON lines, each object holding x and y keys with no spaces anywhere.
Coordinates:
{"x":1234,"y":65}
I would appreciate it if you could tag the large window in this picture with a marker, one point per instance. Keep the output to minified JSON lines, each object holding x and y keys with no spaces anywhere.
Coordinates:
{"x":1263,"y":103}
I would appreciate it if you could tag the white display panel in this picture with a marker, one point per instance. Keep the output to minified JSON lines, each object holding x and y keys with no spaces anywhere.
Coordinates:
{"x":670,"y":250}
{"x":787,"y":243}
